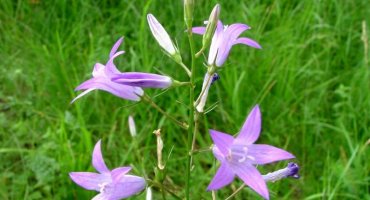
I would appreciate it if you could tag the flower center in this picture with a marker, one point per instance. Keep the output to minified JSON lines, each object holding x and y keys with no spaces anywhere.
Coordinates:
{"x":239,"y":154}
{"x":103,"y":187}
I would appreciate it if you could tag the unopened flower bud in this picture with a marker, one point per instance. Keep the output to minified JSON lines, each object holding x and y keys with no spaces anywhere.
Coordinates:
{"x":131,"y":126}
{"x":290,"y":171}
{"x":211,"y":26}
{"x":159,"y":148}
{"x":161,"y":35}
{"x":188,"y":12}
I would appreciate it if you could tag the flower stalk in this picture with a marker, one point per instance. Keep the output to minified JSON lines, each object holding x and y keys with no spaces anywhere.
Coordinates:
{"x":191,"y":129}
{"x":147,"y":99}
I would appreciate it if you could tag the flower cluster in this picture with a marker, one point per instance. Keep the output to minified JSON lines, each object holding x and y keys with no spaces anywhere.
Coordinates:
{"x":238,"y":156}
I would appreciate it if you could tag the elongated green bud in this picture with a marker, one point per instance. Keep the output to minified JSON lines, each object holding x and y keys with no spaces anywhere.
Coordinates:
{"x":211,"y":26}
{"x":188,"y":12}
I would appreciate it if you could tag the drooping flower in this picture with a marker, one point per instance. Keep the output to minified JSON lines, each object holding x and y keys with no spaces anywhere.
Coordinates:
{"x":208,"y":80}
{"x":161,"y":35}
{"x":223,"y":39}
{"x":112,"y":184}
{"x":144,"y":80}
{"x":239,"y":155}
{"x":101,"y":80}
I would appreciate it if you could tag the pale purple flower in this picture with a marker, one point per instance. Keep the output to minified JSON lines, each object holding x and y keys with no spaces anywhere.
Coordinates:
{"x":102,"y":75}
{"x":112,"y":184}
{"x":223,"y":39}
{"x":239,"y":155}
{"x":144,"y":80}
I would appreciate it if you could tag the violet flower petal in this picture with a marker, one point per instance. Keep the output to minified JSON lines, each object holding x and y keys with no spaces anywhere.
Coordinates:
{"x":99,"y":70}
{"x":115,"y":47}
{"x":223,"y":141}
{"x":145,"y":80}
{"x":217,"y":153}
{"x":247,"y":41}
{"x":101,"y":196}
{"x":251,"y":128}
{"x":111,"y":69}
{"x":97,"y":159}
{"x":82,"y":94}
{"x":224,"y":176}
{"x":200,"y":30}
{"x":128,"y":186}
{"x":119,"y":173}
{"x":89,"y":180}
{"x":229,"y":36}
{"x":251,"y":177}
{"x":216,"y":42}
{"x":264,"y":154}
{"x":122,"y":91}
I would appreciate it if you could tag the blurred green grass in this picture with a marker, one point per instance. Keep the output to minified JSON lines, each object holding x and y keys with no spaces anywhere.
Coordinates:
{"x":311,"y":80}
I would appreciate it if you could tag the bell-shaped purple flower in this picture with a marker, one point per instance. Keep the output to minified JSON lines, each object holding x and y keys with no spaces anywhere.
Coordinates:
{"x":144,"y":80}
{"x":112,"y":185}
{"x":223,"y":39}
{"x":239,"y":155}
{"x":101,"y":80}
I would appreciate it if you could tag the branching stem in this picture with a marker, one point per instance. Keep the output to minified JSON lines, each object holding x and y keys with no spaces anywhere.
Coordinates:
{"x":147,"y":99}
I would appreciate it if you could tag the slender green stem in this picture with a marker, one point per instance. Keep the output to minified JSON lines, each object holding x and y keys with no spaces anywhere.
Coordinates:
{"x":196,"y":126}
{"x":161,"y":186}
{"x":163,"y":192}
{"x":154,"y":105}
{"x":186,"y":69}
{"x":202,"y":150}
{"x":191,"y":113}
{"x":236,"y":192}
{"x":199,"y":52}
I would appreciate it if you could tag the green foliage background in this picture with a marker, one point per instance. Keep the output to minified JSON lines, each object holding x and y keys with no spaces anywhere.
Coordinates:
{"x":311,"y":80}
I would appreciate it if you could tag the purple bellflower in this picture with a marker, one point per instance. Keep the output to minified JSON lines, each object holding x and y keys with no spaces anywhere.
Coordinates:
{"x":223,"y":39}
{"x":112,"y":185}
{"x":144,"y":80}
{"x":102,"y":75}
{"x":239,"y":155}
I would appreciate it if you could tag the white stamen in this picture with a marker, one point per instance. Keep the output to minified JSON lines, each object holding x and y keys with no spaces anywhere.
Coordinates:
{"x":102,"y":187}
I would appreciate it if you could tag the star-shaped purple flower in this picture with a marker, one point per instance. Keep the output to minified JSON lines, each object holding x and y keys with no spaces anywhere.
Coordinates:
{"x":239,"y":155}
{"x":102,"y":75}
{"x":223,"y":39}
{"x":112,"y":185}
